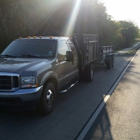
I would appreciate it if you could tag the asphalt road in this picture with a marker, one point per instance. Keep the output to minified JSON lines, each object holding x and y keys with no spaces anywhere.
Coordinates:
{"x":120,"y":118}
{"x":71,"y":113}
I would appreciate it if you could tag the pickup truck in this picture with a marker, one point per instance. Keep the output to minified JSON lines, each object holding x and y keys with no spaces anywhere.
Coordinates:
{"x":34,"y":69}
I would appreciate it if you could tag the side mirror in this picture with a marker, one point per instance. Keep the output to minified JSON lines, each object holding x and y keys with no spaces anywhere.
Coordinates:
{"x":69,"y":56}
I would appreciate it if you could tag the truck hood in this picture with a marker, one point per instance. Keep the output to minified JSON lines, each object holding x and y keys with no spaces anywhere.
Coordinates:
{"x":22,"y":66}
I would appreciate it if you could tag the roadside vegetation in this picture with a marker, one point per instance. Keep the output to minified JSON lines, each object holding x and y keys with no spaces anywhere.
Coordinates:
{"x":52,"y":17}
{"x":137,"y":40}
{"x":131,"y":52}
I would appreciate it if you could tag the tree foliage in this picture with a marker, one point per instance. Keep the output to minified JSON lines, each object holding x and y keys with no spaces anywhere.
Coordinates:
{"x":129,"y":32}
{"x":52,"y":17}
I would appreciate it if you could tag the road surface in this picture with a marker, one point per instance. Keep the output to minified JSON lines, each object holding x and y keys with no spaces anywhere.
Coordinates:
{"x":120,"y":118}
{"x":72,"y":111}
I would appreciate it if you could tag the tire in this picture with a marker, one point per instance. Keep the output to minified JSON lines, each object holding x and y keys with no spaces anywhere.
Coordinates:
{"x":109,"y":63}
{"x":47,"y":100}
{"x":89,"y":73}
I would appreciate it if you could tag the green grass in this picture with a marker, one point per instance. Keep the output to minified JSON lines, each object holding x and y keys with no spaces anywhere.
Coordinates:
{"x":132,"y":51}
{"x":137,"y":40}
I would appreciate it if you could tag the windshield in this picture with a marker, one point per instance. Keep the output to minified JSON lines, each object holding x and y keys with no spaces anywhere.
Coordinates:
{"x":31,"y":48}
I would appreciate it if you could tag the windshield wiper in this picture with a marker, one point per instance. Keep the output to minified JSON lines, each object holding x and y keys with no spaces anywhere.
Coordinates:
{"x":8,"y":55}
{"x":30,"y":55}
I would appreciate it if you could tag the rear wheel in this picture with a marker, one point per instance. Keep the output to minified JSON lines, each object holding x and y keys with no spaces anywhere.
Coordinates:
{"x":89,"y":73}
{"x":109,"y":63}
{"x":112,"y":61}
{"x":47,"y":100}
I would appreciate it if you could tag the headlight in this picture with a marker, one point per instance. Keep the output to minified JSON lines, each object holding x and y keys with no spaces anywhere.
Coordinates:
{"x":29,"y":82}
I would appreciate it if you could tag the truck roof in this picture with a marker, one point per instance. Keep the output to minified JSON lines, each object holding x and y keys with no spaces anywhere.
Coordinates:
{"x":46,"y":37}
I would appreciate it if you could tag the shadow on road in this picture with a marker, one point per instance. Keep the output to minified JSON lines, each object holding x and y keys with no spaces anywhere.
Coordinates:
{"x":101,"y":129}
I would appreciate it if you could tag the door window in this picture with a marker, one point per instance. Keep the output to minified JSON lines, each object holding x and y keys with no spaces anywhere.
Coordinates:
{"x":62,"y":48}
{"x":72,"y":48}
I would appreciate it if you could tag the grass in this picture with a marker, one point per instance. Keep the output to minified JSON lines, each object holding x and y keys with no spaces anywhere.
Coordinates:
{"x":137,"y":40}
{"x":131,"y":52}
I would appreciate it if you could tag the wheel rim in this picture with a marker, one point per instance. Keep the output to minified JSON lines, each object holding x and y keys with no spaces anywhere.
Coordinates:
{"x":49,"y":98}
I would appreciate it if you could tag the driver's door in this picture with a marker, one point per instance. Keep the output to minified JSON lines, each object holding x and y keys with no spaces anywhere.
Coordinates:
{"x":62,"y":66}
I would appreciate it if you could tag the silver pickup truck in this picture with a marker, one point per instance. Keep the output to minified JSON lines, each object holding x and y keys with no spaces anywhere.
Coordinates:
{"x":34,"y":69}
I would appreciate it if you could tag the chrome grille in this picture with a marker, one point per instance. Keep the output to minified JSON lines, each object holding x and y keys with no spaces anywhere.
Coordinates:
{"x":9,"y":81}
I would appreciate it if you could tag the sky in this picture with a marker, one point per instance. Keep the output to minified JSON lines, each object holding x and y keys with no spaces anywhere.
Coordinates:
{"x":124,"y":10}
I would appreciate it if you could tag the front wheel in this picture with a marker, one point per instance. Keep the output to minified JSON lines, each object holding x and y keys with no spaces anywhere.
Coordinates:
{"x":47,"y":100}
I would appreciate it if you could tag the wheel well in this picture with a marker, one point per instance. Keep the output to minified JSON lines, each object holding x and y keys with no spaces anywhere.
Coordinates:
{"x":53,"y":80}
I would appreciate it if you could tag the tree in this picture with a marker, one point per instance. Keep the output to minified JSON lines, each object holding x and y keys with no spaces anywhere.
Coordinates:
{"x":129,"y":31}
{"x":53,"y":17}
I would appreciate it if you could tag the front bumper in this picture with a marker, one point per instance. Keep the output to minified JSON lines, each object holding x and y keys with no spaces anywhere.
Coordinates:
{"x":21,"y":98}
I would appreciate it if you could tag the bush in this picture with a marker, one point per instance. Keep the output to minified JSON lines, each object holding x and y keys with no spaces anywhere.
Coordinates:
{"x":119,"y":42}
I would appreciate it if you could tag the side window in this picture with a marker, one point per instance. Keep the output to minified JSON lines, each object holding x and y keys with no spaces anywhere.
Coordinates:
{"x":72,"y":48}
{"x":62,"y":48}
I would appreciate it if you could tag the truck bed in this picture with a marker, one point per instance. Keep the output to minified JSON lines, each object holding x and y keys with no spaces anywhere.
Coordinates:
{"x":87,"y":47}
